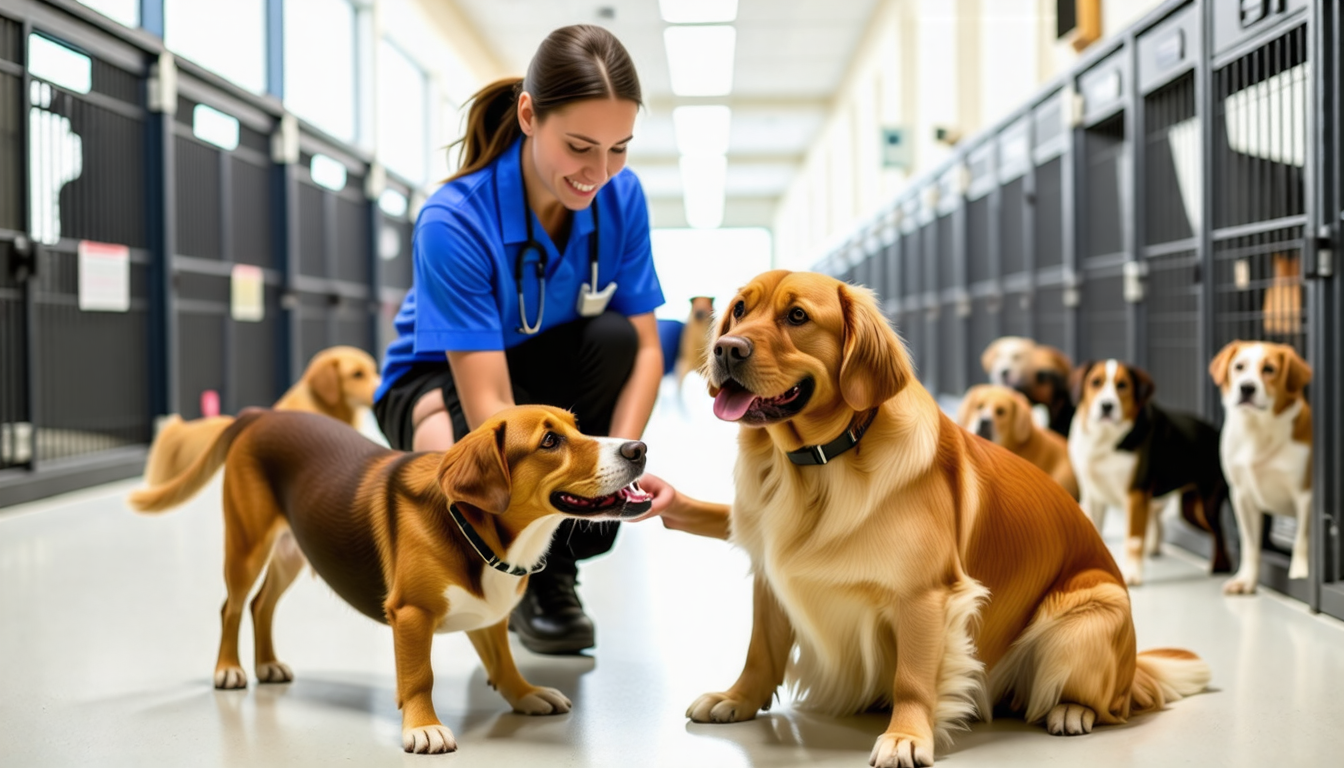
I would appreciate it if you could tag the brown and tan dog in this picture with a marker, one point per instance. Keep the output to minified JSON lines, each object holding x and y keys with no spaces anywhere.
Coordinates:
{"x":694,"y":337}
{"x":426,"y":542}
{"x":912,"y":565}
{"x":337,"y":383}
{"x":1003,"y":416}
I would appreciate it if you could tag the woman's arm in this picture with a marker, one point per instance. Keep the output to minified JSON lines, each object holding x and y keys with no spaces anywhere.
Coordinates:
{"x":635,"y":403}
{"x":483,"y":384}
{"x":680,"y":512}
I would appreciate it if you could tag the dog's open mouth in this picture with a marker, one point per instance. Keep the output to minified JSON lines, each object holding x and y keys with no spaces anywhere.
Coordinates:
{"x":737,"y":403}
{"x":627,"y":502}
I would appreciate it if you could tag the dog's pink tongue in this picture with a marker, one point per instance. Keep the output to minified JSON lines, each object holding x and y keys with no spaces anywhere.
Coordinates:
{"x":732,"y":403}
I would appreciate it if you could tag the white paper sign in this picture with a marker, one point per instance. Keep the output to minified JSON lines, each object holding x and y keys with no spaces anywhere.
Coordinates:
{"x":249,"y":294}
{"x":104,"y":277}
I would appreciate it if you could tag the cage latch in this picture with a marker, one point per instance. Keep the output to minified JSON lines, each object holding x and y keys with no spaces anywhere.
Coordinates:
{"x":1135,"y":272}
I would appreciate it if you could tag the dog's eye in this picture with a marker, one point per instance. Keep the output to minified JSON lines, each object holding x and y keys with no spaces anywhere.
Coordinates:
{"x":1239,"y":367}
{"x":1096,"y":382}
{"x":1269,"y":370}
{"x":550,"y":440}
{"x":998,"y":411}
{"x":738,"y":309}
{"x":1119,"y":385}
{"x":357,"y":375}
{"x":797,"y":316}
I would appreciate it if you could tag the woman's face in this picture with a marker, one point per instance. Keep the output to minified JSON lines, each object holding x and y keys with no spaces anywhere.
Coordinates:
{"x":579,"y":146}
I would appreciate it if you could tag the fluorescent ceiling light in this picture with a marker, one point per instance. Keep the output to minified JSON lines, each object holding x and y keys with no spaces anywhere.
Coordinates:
{"x":702,"y":181}
{"x":702,"y":130}
{"x":700,"y":59}
{"x":697,"y":11}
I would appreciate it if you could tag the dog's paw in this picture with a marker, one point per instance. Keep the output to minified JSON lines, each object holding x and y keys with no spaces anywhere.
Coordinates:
{"x":1239,"y":585}
{"x":1070,"y":720}
{"x":542,"y":701}
{"x":274,"y":672}
{"x":720,"y":708}
{"x":428,"y":740}
{"x":896,"y":750}
{"x":230,"y":677}
{"x":1133,"y":577}
{"x":1297,"y":568}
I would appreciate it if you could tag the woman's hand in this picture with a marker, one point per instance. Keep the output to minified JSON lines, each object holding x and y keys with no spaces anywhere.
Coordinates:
{"x":682,"y":513}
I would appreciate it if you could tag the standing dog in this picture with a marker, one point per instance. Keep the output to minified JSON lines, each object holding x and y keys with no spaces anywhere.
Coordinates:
{"x":1127,"y":452}
{"x":1003,"y":416}
{"x":337,"y":383}
{"x":426,"y":542}
{"x":1265,"y":447}
{"x":912,"y":565}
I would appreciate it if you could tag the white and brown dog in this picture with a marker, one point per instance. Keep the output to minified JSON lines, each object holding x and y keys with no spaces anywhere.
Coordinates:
{"x":1129,"y":453}
{"x":1265,"y":448}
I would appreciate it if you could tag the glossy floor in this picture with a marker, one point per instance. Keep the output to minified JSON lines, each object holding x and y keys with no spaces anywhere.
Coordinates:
{"x":109,"y":628}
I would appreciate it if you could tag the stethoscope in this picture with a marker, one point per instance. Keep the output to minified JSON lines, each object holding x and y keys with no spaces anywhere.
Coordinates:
{"x":592,"y":302}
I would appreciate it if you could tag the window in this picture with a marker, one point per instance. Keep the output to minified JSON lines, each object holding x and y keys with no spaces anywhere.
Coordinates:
{"x":122,"y":11}
{"x":227,"y":38}
{"x":320,"y":64}
{"x":402,"y":115}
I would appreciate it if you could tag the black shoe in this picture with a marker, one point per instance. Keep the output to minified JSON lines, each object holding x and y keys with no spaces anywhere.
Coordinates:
{"x":550,"y":619}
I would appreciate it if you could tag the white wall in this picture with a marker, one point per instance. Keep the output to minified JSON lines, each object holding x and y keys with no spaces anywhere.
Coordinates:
{"x":960,"y":64}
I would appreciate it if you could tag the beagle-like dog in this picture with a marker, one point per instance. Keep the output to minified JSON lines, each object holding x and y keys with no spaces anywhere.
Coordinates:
{"x":338,"y":382}
{"x":1266,"y":448}
{"x":1127,"y":452}
{"x":425,"y":542}
{"x":1003,"y":416}
{"x":899,"y":561}
{"x":1045,"y":381}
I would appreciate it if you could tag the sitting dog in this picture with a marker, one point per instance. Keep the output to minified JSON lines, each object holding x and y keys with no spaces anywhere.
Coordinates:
{"x":1127,"y":452}
{"x":1265,"y":447}
{"x":426,"y":542}
{"x":694,"y":337}
{"x":914,"y":566}
{"x":1003,"y":416}
{"x":338,"y":382}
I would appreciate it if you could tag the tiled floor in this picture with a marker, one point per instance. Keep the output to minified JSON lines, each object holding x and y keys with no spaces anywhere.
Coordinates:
{"x":109,"y":623}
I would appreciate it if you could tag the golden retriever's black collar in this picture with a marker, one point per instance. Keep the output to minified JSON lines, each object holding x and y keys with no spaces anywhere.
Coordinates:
{"x":487,"y":554}
{"x":813,"y":455}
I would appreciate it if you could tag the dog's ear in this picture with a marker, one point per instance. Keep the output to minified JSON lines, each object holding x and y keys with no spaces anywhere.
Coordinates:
{"x":1143,"y":385}
{"x":1058,"y":361}
{"x":474,"y":471}
{"x":987,"y":357}
{"x":969,"y":404}
{"x":1022,"y":424}
{"x":1297,"y":372}
{"x":324,"y":381}
{"x":1077,"y":379}
{"x":1222,"y":361}
{"x":873,"y":365}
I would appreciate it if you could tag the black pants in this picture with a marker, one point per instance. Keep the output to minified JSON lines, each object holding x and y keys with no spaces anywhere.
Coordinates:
{"x":582,"y":366}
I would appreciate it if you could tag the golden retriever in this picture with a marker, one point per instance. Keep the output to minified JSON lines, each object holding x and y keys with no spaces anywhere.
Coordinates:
{"x":921,"y":569}
{"x":337,"y":383}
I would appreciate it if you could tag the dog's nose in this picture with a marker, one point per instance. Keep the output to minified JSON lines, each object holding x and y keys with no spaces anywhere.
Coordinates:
{"x":985,"y":429}
{"x":1248,"y":391}
{"x":1106,"y":408}
{"x":732,"y":349}
{"x":634,"y":450}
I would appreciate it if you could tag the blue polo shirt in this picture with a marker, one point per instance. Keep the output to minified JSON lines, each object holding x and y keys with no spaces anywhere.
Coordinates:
{"x":464,"y":297}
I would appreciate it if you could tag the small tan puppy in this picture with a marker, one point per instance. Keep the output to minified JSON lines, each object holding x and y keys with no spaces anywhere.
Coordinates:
{"x":337,"y":383}
{"x":694,"y":337}
{"x":1003,"y":416}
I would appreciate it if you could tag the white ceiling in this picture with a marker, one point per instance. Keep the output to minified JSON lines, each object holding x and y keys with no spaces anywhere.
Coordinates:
{"x":791,"y":58}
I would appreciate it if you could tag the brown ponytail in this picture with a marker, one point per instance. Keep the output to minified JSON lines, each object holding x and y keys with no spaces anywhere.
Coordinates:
{"x":573,"y":63}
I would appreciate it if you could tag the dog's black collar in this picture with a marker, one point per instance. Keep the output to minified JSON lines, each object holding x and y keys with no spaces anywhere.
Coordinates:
{"x":813,"y":455}
{"x":487,"y":554}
